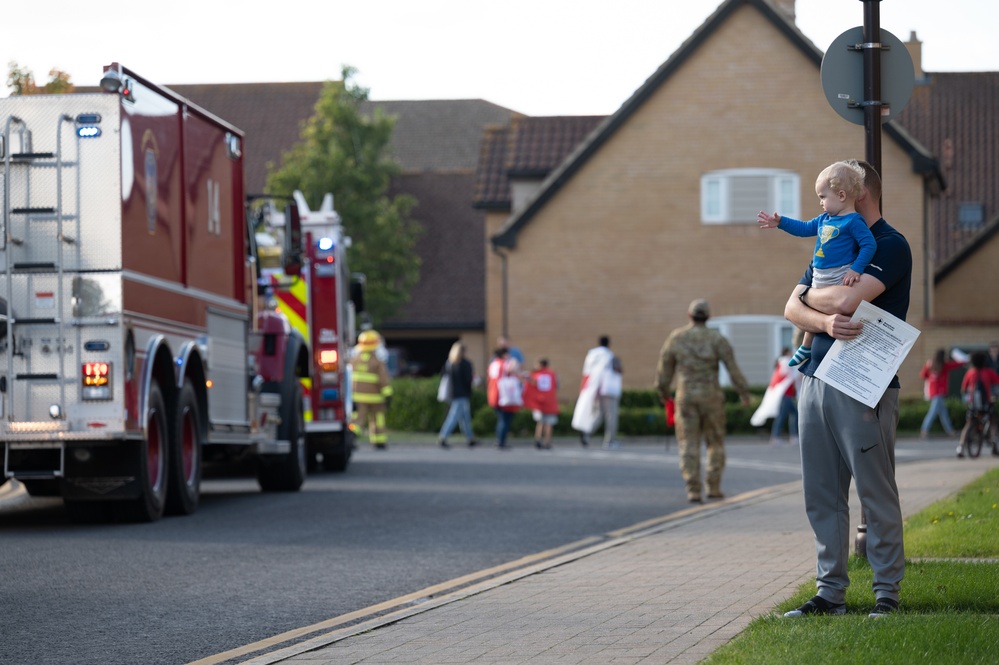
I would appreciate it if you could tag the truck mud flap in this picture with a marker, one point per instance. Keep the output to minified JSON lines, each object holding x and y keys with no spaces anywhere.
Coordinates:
{"x":106,"y":472}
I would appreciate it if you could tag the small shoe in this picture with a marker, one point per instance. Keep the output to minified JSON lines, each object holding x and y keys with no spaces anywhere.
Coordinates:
{"x":716,"y":495}
{"x":473,"y":443}
{"x":538,"y":445}
{"x":583,"y":440}
{"x":611,"y":445}
{"x":380,"y":446}
{"x":817,"y":605}
{"x":443,"y":444}
{"x":883,"y":607}
{"x":793,"y":441}
{"x":694,"y":498}
{"x":960,"y":451}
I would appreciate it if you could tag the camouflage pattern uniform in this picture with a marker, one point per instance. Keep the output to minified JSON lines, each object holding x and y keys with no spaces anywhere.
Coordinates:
{"x":692,"y":354}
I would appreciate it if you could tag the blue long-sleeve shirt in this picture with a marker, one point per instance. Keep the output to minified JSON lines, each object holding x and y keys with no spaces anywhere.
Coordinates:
{"x":841,"y":239}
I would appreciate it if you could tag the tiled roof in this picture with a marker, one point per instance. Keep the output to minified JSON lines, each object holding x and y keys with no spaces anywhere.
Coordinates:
{"x":540,"y":144}
{"x":439,"y":135}
{"x":492,"y":187}
{"x":526,"y":148}
{"x":955,"y":116}
{"x":429,"y":135}
{"x":450,"y":293}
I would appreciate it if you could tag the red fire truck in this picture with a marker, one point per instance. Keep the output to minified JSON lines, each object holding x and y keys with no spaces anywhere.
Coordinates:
{"x":132,"y":345}
{"x":305,"y":278}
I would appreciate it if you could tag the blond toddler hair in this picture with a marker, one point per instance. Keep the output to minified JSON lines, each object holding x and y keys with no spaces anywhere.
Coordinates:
{"x":843,"y":176}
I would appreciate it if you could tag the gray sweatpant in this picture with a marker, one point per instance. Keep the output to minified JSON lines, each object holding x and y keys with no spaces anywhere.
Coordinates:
{"x":843,"y":439}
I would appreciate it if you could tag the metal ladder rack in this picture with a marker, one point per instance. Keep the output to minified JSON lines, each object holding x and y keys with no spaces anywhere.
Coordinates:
{"x":36,"y":219}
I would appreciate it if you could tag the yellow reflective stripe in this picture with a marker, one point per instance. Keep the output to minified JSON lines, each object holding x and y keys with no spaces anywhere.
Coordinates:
{"x":307,"y":395}
{"x":365,"y":398}
{"x":387,"y":391}
{"x":296,"y":291}
{"x":365,"y":377}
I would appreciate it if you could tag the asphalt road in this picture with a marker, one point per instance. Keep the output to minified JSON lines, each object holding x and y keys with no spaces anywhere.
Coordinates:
{"x":248,"y":566}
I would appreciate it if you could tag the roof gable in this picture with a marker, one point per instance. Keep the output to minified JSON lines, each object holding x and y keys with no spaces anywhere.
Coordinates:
{"x":526,"y":148}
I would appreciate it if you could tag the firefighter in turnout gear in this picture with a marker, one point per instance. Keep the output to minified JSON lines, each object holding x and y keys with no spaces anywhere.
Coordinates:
{"x":372,"y":388}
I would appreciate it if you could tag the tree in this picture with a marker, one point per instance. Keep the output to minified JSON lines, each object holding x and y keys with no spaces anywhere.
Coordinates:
{"x":21,"y":81}
{"x":346,"y":153}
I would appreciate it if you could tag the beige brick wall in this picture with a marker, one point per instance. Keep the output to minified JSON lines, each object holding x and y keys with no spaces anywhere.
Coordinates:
{"x":969,"y":294}
{"x":620,"y":250}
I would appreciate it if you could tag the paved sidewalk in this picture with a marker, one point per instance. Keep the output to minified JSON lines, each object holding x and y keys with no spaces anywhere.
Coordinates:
{"x":669,"y":594}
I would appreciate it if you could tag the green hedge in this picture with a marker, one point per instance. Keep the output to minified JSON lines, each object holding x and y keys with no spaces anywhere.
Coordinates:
{"x":415,"y":409}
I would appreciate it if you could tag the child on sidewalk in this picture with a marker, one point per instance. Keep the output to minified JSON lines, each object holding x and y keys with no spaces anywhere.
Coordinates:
{"x":541,"y":397}
{"x":844,"y":244}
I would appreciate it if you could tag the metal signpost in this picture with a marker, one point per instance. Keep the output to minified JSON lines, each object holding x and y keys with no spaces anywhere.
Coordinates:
{"x":858,"y":92}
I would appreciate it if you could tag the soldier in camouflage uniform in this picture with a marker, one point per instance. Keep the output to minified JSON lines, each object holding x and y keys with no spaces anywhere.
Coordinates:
{"x":692,"y":353}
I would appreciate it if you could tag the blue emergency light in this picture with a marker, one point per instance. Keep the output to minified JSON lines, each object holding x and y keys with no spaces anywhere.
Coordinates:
{"x":86,"y":125}
{"x":325,"y":244}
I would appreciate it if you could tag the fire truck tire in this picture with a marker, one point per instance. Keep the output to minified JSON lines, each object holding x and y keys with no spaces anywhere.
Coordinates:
{"x":152,"y":468}
{"x":184,"y":455}
{"x":337,"y":456}
{"x":286,"y":472}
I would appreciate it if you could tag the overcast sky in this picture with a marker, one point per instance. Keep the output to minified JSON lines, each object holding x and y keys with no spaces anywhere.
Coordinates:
{"x":539,"y":57}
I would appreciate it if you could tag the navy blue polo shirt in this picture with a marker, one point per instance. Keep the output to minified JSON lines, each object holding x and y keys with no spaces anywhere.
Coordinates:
{"x":892,"y":264}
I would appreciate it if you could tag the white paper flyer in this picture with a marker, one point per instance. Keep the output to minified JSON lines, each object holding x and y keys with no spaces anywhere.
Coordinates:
{"x":864,"y":366}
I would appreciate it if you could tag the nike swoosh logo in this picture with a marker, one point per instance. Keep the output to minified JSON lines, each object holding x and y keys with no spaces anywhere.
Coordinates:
{"x":864,"y":450}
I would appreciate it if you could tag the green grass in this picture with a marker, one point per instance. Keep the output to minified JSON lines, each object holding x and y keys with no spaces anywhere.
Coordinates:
{"x":949,"y":612}
{"x":964,"y":525}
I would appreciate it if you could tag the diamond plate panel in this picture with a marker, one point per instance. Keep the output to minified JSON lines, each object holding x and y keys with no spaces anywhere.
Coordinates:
{"x":69,"y":191}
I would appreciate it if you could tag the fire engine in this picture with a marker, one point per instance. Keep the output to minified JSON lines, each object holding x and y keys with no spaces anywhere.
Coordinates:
{"x":303,"y":275}
{"x":133,"y":346}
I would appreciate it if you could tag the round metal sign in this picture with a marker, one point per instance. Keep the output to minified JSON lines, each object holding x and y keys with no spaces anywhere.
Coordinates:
{"x":843,"y":75}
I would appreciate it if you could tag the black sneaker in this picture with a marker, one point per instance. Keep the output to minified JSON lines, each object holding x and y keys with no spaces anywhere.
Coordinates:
{"x":817,"y":605}
{"x":883,"y":607}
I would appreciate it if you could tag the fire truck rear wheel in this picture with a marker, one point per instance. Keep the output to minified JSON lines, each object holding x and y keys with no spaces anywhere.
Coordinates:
{"x":152,"y":466}
{"x":286,"y":473}
{"x":337,"y":456}
{"x":184,"y":455}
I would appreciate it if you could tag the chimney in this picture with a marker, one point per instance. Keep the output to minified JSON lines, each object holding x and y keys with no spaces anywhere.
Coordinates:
{"x":915,"y":48}
{"x":785,"y":7}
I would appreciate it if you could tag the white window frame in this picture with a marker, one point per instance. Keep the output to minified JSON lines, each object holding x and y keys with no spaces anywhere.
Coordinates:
{"x":783,"y":194}
{"x":780,"y":333}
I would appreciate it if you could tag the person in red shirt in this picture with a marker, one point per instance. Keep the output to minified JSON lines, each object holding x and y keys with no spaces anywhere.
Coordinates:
{"x":541,"y":396}
{"x":935,"y":373}
{"x":978,"y":400}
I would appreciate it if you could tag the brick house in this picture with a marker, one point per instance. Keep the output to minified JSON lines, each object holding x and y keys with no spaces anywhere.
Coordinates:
{"x":657,"y":205}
